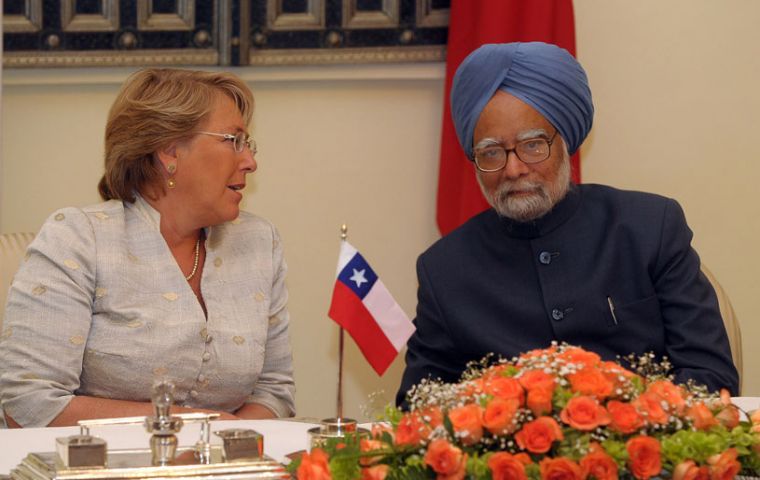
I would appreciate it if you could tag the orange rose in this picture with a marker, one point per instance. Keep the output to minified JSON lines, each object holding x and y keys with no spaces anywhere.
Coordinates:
{"x":599,"y":464}
{"x":540,"y":401}
{"x":688,"y":470}
{"x":505,"y":387}
{"x":644,"y":457}
{"x":724,"y":466}
{"x":411,"y":430}
{"x":366,"y":445}
{"x":613,"y":371}
{"x":471,"y":388}
{"x":378,"y":429}
{"x":537,"y":436}
{"x":537,"y":379}
{"x":445,"y":459}
{"x":432,"y":416}
{"x":624,"y":417}
{"x":755,"y":417}
{"x":378,"y":472}
{"x":560,"y":468}
{"x":579,"y":356}
{"x":505,"y":466}
{"x":584,"y":413}
{"x":314,"y":466}
{"x":702,"y":417}
{"x":728,"y":416}
{"x":671,"y":394}
{"x":467,"y":422}
{"x":591,"y":381}
{"x":650,"y":407}
{"x":499,"y":415}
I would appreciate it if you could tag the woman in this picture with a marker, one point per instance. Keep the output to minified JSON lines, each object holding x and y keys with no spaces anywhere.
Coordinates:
{"x":167,"y":279}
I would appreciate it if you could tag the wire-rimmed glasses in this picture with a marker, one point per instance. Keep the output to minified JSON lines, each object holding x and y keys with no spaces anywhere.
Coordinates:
{"x":492,"y":158}
{"x":239,"y":140}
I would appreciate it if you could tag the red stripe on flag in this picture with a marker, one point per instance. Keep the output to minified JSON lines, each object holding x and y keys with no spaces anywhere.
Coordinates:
{"x":472,"y":24}
{"x":351,"y":314}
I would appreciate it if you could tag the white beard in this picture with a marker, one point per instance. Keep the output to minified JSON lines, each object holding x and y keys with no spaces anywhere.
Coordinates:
{"x":532,"y":206}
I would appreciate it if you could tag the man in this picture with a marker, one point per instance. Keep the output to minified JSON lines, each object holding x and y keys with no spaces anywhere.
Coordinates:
{"x":612,"y":271}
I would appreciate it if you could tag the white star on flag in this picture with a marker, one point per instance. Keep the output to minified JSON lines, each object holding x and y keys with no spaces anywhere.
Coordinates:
{"x":358,"y":277}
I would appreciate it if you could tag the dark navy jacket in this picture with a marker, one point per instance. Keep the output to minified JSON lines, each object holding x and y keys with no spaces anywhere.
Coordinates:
{"x":495,"y":285}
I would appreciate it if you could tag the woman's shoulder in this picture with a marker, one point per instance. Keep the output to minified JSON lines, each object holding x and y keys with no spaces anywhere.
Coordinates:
{"x":99,"y":211}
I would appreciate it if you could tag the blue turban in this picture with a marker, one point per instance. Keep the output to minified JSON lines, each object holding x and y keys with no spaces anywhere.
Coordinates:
{"x":544,"y":76}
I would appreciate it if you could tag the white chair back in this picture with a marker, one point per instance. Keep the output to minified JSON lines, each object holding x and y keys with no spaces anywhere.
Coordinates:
{"x":730,"y":321}
{"x":12,"y":251}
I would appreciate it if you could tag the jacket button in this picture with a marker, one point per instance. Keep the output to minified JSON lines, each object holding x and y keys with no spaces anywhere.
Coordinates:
{"x":558,"y":314}
{"x":545,"y":258}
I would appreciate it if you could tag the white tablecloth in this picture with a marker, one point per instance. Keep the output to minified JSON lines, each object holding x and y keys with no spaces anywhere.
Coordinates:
{"x":747,"y":403}
{"x":280,"y":438}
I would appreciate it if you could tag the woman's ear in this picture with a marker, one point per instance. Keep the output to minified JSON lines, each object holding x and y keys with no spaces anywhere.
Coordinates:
{"x":167,"y":155}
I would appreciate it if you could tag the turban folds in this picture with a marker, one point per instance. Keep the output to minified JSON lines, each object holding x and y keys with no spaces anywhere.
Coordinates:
{"x":544,"y":76}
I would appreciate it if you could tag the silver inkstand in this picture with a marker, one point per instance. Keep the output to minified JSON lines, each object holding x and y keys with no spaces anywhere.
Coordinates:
{"x":84,"y":456}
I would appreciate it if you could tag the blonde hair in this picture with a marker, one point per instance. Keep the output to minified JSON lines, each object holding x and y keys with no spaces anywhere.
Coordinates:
{"x":155,"y":107}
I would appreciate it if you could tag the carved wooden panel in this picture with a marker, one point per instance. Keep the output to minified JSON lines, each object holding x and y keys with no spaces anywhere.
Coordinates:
{"x":351,"y":31}
{"x":22,"y":16}
{"x":83,"y":16}
{"x":51,"y":33}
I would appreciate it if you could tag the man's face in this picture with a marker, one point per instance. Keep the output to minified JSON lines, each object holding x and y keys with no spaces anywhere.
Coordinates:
{"x":521,"y":191}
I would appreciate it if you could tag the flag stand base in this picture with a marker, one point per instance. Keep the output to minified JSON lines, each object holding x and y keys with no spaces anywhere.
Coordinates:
{"x":335,"y":428}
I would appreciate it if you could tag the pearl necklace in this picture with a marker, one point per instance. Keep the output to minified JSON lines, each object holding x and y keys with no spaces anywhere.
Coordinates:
{"x":197,"y":256}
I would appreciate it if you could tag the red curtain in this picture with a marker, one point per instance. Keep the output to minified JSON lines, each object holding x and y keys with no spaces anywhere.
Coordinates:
{"x":473,"y":23}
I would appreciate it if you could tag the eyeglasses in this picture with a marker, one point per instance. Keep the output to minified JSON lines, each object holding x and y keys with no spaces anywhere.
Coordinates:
{"x":493,"y":158}
{"x":239,"y":141}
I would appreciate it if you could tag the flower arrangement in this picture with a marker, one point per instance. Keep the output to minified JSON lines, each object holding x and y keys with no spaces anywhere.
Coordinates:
{"x":559,"y":413}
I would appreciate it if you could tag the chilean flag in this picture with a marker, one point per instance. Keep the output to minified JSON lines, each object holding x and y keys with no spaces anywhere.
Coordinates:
{"x":366,"y":310}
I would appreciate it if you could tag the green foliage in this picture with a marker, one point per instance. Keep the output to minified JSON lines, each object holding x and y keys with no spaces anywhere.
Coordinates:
{"x":561,"y":397}
{"x":510,"y":371}
{"x":616,"y":450}
{"x":745,"y":442}
{"x":448,"y":425}
{"x":477,"y":467}
{"x":638,"y":385}
{"x":344,"y":467}
{"x":575,"y":445}
{"x":693,"y":445}
{"x":533,"y":471}
{"x":412,"y":468}
{"x":292,"y":467}
{"x":393,"y":414}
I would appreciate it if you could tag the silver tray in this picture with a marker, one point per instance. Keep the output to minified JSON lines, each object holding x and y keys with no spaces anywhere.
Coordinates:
{"x":133,"y":464}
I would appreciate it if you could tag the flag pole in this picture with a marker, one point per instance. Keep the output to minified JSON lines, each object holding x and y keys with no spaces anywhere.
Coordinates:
{"x":330,"y":429}
{"x":339,"y":416}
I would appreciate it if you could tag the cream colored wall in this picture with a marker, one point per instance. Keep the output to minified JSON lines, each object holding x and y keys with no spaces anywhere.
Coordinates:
{"x":674,"y":86}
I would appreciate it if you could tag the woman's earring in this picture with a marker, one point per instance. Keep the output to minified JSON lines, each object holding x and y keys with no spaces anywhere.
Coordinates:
{"x":171,"y":183}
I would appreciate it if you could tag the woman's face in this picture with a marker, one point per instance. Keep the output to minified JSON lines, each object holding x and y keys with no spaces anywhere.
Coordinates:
{"x":210,"y":174}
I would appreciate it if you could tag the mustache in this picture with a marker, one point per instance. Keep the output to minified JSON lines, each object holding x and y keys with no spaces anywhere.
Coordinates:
{"x":508,"y":187}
